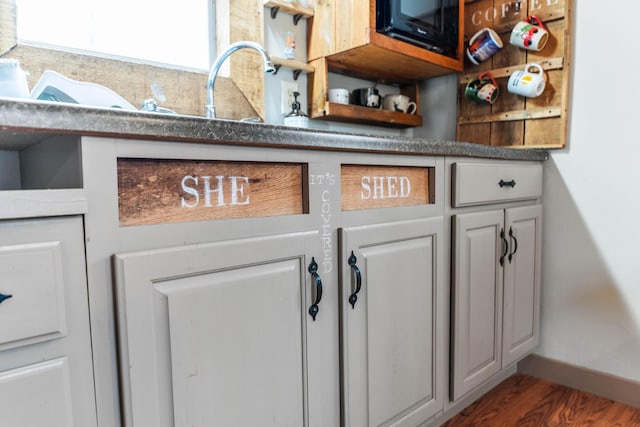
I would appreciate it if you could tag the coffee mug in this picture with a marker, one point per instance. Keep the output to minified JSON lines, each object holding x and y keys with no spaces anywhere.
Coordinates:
{"x":399,"y":103}
{"x":528,"y":35}
{"x":527,"y":83}
{"x":482,"y":89}
{"x":339,"y":96}
{"x":367,"y":97}
{"x":483,"y":45}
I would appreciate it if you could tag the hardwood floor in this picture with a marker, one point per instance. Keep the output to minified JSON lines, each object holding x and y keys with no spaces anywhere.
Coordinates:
{"x":525,"y":401}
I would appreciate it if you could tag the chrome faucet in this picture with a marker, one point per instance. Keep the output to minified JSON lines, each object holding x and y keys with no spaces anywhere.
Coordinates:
{"x":215,"y":68}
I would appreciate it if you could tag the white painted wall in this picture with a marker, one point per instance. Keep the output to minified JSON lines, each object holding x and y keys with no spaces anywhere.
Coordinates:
{"x":591,"y":262}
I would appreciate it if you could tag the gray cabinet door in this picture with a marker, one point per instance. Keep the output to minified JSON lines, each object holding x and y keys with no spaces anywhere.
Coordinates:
{"x":522,"y":282}
{"x":392,"y":334}
{"x":46,"y":374}
{"x":476,"y":299}
{"x":216,"y":334}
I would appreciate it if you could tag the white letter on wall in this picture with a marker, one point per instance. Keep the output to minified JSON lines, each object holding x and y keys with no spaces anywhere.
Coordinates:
{"x":190,"y":190}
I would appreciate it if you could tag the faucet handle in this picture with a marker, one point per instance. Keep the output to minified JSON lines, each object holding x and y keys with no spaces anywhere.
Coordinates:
{"x":151,"y":106}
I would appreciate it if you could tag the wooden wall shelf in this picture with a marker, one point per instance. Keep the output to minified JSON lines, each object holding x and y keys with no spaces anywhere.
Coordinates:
{"x":320,"y":108}
{"x":513,"y":120}
{"x":342,"y":39}
{"x":291,"y":8}
{"x":346,"y":34}
{"x":296,"y":66}
{"x":366,"y":115}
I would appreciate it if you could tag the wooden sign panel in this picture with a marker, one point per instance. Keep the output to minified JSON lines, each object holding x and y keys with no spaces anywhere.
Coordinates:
{"x":367,"y":186}
{"x":160,"y":191}
{"x":513,"y":120}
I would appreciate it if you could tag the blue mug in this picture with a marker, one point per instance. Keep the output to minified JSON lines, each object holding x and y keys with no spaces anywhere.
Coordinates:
{"x":483,"y":45}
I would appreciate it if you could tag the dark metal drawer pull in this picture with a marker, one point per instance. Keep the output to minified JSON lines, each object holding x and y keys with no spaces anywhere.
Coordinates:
{"x":354,"y":296}
{"x":505,"y":246}
{"x":514,"y":244}
{"x":313,"y":269}
{"x":504,"y":183}
{"x":4,"y":297}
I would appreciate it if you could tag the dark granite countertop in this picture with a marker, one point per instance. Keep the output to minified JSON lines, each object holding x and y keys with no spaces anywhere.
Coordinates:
{"x":25,"y":122}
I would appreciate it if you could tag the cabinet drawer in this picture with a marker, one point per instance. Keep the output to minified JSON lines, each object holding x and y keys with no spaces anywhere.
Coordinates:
{"x":37,"y":395}
{"x":484,"y":183}
{"x":31,"y":282}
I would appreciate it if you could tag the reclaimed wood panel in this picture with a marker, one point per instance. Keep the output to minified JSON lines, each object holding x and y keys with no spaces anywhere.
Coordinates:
{"x":183,"y":91}
{"x":367,"y":186}
{"x":515,"y":121}
{"x":8,"y":37}
{"x":320,"y":40}
{"x":161,"y":191}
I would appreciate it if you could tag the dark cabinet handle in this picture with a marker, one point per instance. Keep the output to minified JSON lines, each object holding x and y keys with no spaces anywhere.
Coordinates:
{"x":313,"y":269}
{"x":505,"y":247}
{"x":515,"y":244}
{"x":504,"y":183}
{"x":4,"y":297}
{"x":354,"y":296}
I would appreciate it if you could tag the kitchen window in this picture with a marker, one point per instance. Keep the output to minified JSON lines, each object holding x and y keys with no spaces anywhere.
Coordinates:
{"x":174,"y":33}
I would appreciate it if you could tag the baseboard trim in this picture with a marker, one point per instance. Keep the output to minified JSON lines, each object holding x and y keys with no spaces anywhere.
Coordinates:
{"x":584,"y":379}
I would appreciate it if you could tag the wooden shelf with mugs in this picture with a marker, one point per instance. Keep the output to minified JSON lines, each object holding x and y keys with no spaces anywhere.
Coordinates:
{"x":523,"y":48}
{"x":402,"y":113}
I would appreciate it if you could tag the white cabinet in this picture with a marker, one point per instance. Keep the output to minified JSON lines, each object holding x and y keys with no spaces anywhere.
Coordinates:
{"x":476,"y":300}
{"x":212,"y":319}
{"x":392,"y":315}
{"x":46,"y":375}
{"x":217,"y":334}
{"x":237,"y":321}
{"x":521,"y":316}
{"x":495,"y":294}
{"x":135,"y":308}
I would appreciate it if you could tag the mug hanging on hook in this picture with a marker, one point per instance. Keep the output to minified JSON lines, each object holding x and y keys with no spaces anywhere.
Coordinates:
{"x":530,"y":34}
{"x":483,"y":45}
{"x":483,"y":89}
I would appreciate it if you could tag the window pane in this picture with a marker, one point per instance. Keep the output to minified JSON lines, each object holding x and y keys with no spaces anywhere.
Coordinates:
{"x":175,"y":32}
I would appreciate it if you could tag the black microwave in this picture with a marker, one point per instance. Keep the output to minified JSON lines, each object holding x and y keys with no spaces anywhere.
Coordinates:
{"x":431,"y":24}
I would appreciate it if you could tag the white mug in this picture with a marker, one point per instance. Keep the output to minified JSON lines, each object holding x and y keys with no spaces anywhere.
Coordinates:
{"x":529,"y":34}
{"x":399,"y":103}
{"x":527,"y":83}
{"x":339,"y":96}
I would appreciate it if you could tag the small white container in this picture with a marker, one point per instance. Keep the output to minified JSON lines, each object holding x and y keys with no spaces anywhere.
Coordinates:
{"x":297,"y":121}
{"x":13,"y":81}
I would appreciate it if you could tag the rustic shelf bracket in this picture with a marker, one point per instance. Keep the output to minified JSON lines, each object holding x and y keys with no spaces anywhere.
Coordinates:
{"x":274,"y":11}
{"x":296,"y":18}
{"x":296,"y":74}
{"x":277,"y":67}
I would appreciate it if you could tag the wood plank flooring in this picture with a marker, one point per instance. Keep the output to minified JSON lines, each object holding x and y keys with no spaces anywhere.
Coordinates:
{"x":525,"y":401}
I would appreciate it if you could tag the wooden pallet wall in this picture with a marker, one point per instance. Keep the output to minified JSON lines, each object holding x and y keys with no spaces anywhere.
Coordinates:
{"x":513,"y":120}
